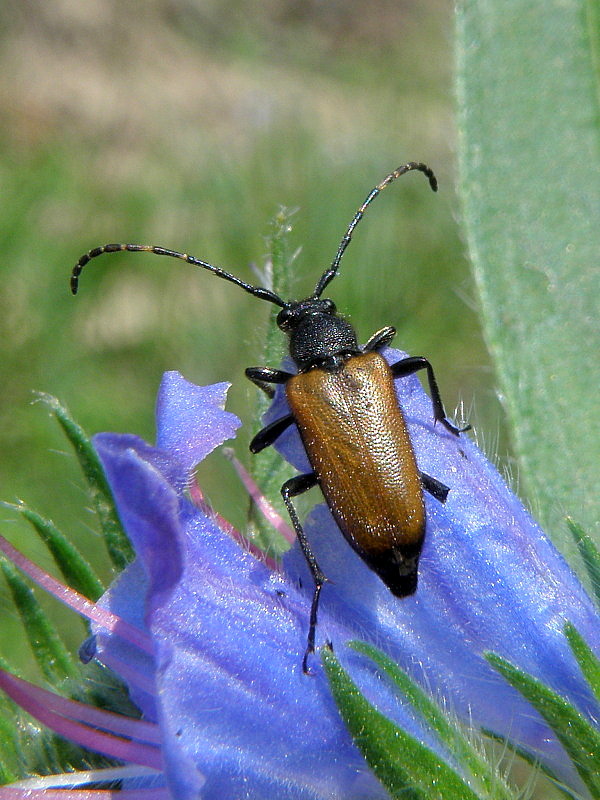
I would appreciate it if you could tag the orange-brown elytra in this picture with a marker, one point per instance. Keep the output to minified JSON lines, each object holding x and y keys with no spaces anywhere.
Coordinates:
{"x":343,"y":401}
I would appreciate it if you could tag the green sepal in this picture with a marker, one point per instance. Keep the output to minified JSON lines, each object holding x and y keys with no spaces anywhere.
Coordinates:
{"x":534,"y":762}
{"x":589,"y":553}
{"x":587,"y":660}
{"x":53,"y":658}
{"x":119,"y":548}
{"x":270,"y":471}
{"x":451,"y":735}
{"x":76,"y":571}
{"x":404,"y":766}
{"x":11,"y":760}
{"x":578,"y":737}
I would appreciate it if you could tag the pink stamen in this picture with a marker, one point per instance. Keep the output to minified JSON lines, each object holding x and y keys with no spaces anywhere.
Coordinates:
{"x":111,"y":622}
{"x":109,"y":721}
{"x":127,"y":671}
{"x":199,"y":501}
{"x":266,"y":509}
{"x":105,"y":743}
{"x":77,"y":779}
{"x":6,"y":793}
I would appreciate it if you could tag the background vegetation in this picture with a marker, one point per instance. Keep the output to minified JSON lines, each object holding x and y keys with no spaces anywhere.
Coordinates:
{"x":189,"y":126}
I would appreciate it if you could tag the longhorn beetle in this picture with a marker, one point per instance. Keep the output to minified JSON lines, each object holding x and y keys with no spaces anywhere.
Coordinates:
{"x":344,"y":404}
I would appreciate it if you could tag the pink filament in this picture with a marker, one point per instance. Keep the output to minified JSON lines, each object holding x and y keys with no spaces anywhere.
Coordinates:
{"x":111,"y":622}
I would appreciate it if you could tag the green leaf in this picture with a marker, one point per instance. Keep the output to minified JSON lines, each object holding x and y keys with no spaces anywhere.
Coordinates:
{"x":529,"y":136}
{"x":451,"y":734}
{"x":52,"y":656}
{"x":117,"y":543}
{"x":404,"y":766}
{"x":589,"y":553}
{"x":579,"y":738}
{"x":76,"y":571}
{"x":588,"y":663}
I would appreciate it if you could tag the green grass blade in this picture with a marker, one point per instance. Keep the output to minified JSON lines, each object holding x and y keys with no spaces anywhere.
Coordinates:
{"x":76,"y":571}
{"x":117,"y":543}
{"x":579,"y":738}
{"x":405,"y":767}
{"x":529,"y":143}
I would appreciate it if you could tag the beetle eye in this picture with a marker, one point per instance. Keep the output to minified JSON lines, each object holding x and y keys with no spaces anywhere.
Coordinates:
{"x":283,"y":318}
{"x":330,"y":306}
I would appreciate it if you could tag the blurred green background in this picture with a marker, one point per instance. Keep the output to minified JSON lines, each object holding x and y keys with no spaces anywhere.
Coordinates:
{"x":188,"y":124}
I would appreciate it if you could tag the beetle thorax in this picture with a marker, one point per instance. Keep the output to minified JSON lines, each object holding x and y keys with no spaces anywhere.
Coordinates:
{"x":318,"y":337}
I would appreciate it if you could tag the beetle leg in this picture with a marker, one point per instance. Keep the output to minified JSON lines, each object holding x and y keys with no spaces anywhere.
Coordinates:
{"x":379,"y":339}
{"x":263,"y":376}
{"x":435,"y":488}
{"x":410,"y":365}
{"x":270,"y":433}
{"x":292,"y":488}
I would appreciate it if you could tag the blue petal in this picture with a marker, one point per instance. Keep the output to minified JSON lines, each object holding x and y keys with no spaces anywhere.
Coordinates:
{"x":232,"y":702}
{"x":237,"y":715}
{"x":183,"y":409}
{"x":489,"y":580}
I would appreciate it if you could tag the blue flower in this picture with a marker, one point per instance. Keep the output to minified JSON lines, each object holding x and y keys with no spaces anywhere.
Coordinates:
{"x":209,"y":638}
{"x":490,"y":580}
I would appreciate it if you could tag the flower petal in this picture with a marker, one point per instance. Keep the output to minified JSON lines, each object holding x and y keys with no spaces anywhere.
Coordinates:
{"x":190,"y":419}
{"x":489,"y":580}
{"x":235,"y":710}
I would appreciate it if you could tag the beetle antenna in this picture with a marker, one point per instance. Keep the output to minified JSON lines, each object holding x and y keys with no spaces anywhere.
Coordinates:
{"x":330,"y":273}
{"x":257,"y":291}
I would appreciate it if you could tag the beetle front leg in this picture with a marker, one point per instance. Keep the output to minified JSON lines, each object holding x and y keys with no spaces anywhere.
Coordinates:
{"x":292,"y":488}
{"x":263,"y":376}
{"x":379,"y":339}
{"x":412,"y":364}
{"x":270,"y":433}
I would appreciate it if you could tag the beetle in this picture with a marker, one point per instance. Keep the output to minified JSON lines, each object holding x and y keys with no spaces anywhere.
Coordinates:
{"x":343,"y":401}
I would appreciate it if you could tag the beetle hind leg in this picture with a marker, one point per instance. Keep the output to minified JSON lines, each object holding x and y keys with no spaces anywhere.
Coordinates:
{"x":292,"y":488}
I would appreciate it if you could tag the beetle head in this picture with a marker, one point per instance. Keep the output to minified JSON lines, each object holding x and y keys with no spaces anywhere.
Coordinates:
{"x":318,"y":336}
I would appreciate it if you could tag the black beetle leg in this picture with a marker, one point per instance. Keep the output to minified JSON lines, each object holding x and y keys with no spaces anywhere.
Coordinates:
{"x":435,"y":488}
{"x":263,"y":376}
{"x":292,"y":488}
{"x":379,"y":339}
{"x":410,"y":365}
{"x":270,"y":433}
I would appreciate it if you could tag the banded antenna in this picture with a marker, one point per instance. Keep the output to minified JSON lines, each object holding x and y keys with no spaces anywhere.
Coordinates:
{"x":332,"y":271}
{"x":257,"y":291}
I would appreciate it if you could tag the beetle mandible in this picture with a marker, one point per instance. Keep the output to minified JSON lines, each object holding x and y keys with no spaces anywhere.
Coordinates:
{"x":343,"y":401}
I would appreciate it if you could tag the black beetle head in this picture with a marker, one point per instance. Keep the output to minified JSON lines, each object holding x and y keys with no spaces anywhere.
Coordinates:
{"x":318,"y":337}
